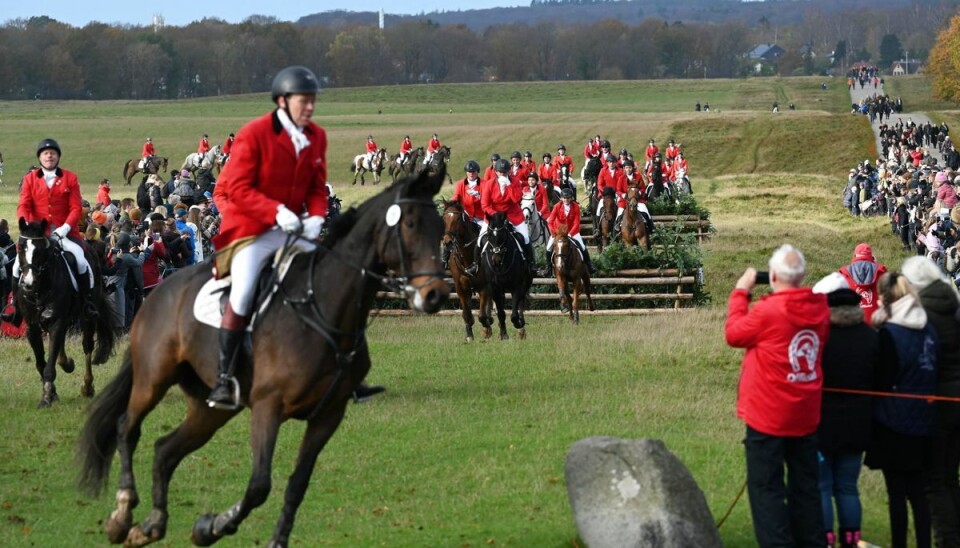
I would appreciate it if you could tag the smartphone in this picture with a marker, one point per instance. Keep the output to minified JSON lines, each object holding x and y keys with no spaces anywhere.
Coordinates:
{"x":763,"y":277}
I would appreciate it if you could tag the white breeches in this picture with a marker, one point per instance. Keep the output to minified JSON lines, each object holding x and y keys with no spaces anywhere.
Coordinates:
{"x":520,"y":229}
{"x":600,"y":209}
{"x":248,"y":262}
{"x":575,"y":237}
{"x":69,"y":246}
{"x":642,"y":208}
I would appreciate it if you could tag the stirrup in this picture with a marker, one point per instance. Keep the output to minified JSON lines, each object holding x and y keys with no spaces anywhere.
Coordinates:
{"x":234,"y":388}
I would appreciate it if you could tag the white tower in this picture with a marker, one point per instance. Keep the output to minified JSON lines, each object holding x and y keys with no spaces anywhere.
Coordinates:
{"x":381,"y":18}
{"x":157,"y":22}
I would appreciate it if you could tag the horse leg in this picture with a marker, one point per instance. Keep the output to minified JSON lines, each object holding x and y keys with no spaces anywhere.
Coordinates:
{"x":484,"y":313}
{"x":264,"y":427}
{"x":500,"y":300}
{"x":562,"y":288}
{"x":575,"y":304}
{"x":585,"y":279}
{"x":464,"y":294}
{"x":318,"y":433}
{"x":57,"y":335}
{"x":516,"y":316}
{"x":200,"y":424}
{"x":35,"y":336}
{"x":89,"y":328}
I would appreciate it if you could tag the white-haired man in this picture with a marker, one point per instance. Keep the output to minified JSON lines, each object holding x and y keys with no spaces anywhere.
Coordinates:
{"x":779,"y":398}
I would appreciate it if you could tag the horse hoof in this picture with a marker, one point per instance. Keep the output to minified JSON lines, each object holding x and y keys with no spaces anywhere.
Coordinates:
{"x":504,"y":337}
{"x":202,"y":533}
{"x":487,"y":333}
{"x":117,"y":529}
{"x":87,"y":391}
{"x":44,"y":403}
{"x":522,"y":334}
{"x":69,"y":366}
{"x":470,"y":338}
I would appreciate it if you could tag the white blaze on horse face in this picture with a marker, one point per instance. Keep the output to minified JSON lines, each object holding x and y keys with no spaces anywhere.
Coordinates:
{"x":28,"y":252}
{"x":558,"y":255}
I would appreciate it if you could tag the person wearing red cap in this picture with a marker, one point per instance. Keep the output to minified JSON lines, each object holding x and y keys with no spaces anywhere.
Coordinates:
{"x":862,"y":275}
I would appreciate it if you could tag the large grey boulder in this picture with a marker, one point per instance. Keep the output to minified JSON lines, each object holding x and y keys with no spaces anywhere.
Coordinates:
{"x":633,"y":493}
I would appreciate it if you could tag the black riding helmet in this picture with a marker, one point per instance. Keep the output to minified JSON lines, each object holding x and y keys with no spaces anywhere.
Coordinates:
{"x":561,"y":147}
{"x":472,"y":165}
{"x":528,"y":154}
{"x":566,"y":192}
{"x":605,"y":144}
{"x":629,"y":163}
{"x":294,"y":79}
{"x":547,"y":156}
{"x":48,"y":143}
{"x":516,"y":154}
{"x":494,"y":157}
{"x":502,"y":166}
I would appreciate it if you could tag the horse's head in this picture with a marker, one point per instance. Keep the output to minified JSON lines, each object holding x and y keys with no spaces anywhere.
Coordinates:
{"x":34,"y":249}
{"x":633,"y":195}
{"x":406,"y":237}
{"x":500,"y":238}
{"x":455,"y":222}
{"x":561,"y":248}
{"x":163,"y":163}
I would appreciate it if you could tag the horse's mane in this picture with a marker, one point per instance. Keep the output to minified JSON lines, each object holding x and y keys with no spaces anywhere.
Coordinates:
{"x":609,"y":191}
{"x":563,"y":230}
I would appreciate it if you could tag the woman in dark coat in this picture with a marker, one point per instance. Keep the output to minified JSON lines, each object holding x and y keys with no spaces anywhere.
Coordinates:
{"x":849,"y":362}
{"x":904,"y":428}
{"x":940,"y":301}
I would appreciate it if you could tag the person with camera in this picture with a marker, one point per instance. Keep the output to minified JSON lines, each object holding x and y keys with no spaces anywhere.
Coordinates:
{"x":862,"y":275}
{"x":779,"y":397}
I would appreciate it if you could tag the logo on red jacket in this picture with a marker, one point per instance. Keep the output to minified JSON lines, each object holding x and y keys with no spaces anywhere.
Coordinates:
{"x":804,"y":349}
{"x":866,"y":297}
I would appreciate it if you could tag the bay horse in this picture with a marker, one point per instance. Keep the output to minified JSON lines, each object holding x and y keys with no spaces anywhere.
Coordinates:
{"x":45,"y":286}
{"x":152,"y":166}
{"x":460,"y":235}
{"x":440,"y":157}
{"x":505,"y":270}
{"x":308,"y":352}
{"x":409,"y":166}
{"x":361,"y":166}
{"x":571,"y":272}
{"x":633,"y":228}
{"x":604,"y":223}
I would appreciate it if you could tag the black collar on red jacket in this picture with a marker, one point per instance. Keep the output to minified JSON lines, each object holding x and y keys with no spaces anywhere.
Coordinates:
{"x":58,"y":171}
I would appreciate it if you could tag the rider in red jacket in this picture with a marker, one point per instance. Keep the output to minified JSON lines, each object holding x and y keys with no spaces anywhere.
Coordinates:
{"x":503,"y":195}
{"x":278,"y":172}
{"x":567,"y":212}
{"x":611,"y":176}
{"x":53,"y":193}
{"x":467,"y":192}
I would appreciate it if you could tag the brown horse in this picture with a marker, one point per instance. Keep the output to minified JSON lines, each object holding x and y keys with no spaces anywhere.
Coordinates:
{"x":633,"y":230}
{"x":605,"y":223}
{"x":307,"y":355}
{"x":460,"y":236}
{"x":571,"y":271}
{"x":359,"y":166}
{"x":410,"y":165}
{"x":153,"y":165}
{"x":440,"y":159}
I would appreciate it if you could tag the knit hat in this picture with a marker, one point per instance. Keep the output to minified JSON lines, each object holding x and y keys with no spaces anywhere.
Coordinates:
{"x":98,"y":217}
{"x":920,"y":271}
{"x":863,"y":252}
{"x":837,"y":290}
{"x":180,"y":212}
{"x":185,"y":173}
{"x":941,"y":177}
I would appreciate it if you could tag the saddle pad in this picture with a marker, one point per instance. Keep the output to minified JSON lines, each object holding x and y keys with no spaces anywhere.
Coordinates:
{"x":70,"y":271}
{"x":208,"y":305}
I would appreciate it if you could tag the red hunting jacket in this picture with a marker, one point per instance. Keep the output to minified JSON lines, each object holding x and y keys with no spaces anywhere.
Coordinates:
{"x":203,"y":147}
{"x":572,"y":219}
{"x":227,"y":145}
{"x":546,"y":172}
{"x":539,"y":199}
{"x":471,"y":204}
{"x":265,"y":172}
{"x":615,"y":180}
{"x":560,"y":161}
{"x":372,"y":146}
{"x":59,"y":204}
{"x":507,"y":202}
{"x":148,"y":150}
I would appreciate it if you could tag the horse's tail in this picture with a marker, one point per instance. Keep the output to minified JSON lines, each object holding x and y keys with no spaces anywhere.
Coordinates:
{"x":353,"y":167}
{"x":106,"y":335}
{"x":98,"y":442}
{"x":126,"y":169}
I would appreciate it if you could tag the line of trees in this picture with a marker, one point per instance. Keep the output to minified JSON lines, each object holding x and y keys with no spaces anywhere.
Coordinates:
{"x":42,"y":57}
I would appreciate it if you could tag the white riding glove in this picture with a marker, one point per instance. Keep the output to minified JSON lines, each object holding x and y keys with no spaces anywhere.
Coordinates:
{"x":288,"y":220}
{"x":312,"y":226}
{"x":62,"y":231}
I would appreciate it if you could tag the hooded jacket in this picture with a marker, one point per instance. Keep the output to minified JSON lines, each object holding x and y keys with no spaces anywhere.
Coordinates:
{"x":781,"y":378}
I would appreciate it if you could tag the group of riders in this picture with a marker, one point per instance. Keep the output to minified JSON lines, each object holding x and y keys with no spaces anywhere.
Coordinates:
{"x":548,"y":191}
{"x":148,"y":153}
{"x":406,"y":148}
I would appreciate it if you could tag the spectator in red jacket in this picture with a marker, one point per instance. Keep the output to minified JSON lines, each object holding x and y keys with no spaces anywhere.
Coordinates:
{"x":779,"y":398}
{"x":567,"y":212}
{"x":862,"y":275}
{"x":103,"y":193}
{"x":279,"y":170}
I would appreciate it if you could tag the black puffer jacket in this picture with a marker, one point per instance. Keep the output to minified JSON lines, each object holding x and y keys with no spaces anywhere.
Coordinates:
{"x":849,"y":362}
{"x":940,"y":302}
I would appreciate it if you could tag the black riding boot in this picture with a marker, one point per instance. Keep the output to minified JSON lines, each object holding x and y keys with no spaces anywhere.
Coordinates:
{"x":13,"y":317}
{"x":445,"y":257}
{"x":477,"y":253}
{"x":364,"y":392}
{"x":649,"y":222}
{"x":226,"y":393}
{"x":586,"y":259}
{"x":531,"y":259}
{"x":86,"y":293}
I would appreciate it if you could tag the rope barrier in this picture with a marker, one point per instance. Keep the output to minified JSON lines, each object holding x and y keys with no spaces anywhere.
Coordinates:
{"x":732,"y":504}
{"x":929,"y":398}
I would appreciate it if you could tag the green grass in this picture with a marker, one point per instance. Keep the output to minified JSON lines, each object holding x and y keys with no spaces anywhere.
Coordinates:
{"x":467,"y":447}
{"x":916,"y":92}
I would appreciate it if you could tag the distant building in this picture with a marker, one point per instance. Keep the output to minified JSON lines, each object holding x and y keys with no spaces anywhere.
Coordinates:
{"x":897,"y":70}
{"x":764,"y":54}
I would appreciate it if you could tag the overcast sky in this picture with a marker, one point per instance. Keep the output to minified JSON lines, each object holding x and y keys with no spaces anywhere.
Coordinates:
{"x":181,"y":12}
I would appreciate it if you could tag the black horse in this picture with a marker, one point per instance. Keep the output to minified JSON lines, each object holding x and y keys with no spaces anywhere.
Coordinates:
{"x":308,"y":353}
{"x":439,"y":161}
{"x":505,"y":269}
{"x":49,"y":304}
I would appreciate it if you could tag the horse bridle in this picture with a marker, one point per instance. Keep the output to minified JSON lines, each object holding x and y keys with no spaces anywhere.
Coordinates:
{"x":500,"y":249}
{"x":454,"y":237}
{"x":30,"y":267}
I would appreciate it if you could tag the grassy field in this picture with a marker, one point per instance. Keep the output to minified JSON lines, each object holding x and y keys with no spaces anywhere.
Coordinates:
{"x":467,"y":447}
